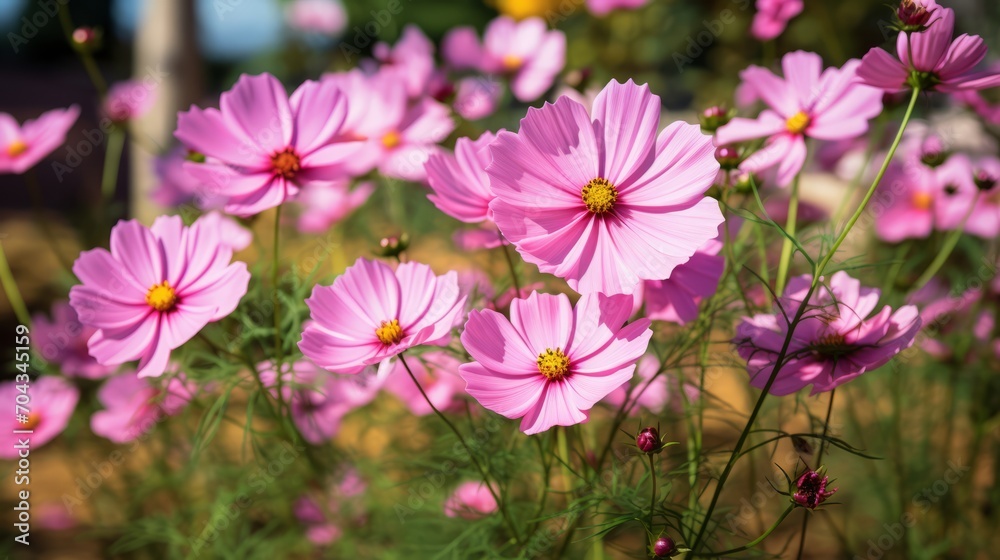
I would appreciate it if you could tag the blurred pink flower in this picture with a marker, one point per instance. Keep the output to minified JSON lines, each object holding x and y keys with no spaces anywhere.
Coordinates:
{"x":932,"y":58}
{"x":325,"y":204}
{"x":477,"y":97}
{"x":231,"y":233}
{"x":22,"y":146}
{"x":471,"y":500}
{"x":128,"y":100}
{"x":604,"y":7}
{"x":52,"y":401}
{"x":985,"y":219}
{"x":604,"y":207}
{"x":263,"y":145}
{"x":459,"y":184}
{"x":372,"y":312}
{"x":676,"y":298}
{"x":656,"y":394}
{"x":133,"y":405}
{"x":63,"y":341}
{"x":550,"y":363}
{"x":397,"y":136}
{"x":834,"y":342}
{"x":525,"y":51}
{"x":772,"y":16}
{"x":320,"y":511}
{"x":326,"y":17}
{"x":810,"y":489}
{"x":175,"y":186}
{"x":437,"y":372}
{"x":409,"y":62}
{"x":487,"y":236}
{"x":155,"y":289}
{"x":807,"y":103}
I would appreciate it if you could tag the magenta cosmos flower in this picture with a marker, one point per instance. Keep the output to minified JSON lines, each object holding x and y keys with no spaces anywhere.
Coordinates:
{"x":51,"y":406}
{"x":930,"y":59}
{"x":604,"y":7}
{"x":471,"y":500}
{"x":324,"y":204}
{"x":155,"y":290}
{"x":772,"y":17}
{"x":372,"y":312}
{"x":551,"y":362}
{"x":62,"y":340}
{"x":262,"y":145}
{"x":525,"y":51}
{"x":810,"y":489}
{"x":808,"y":102}
{"x":924,"y":199}
{"x":601,"y":201}
{"x":22,"y":146}
{"x":834,"y":342}
{"x":128,"y":100}
{"x":133,"y":405}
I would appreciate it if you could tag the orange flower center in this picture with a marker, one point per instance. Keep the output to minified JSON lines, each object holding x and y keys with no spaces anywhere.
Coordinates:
{"x":286,"y":163}
{"x":599,"y":195}
{"x":391,"y":139}
{"x":553,"y":364}
{"x":161,"y":297}
{"x":797,"y":123}
{"x":33,"y":420}
{"x":389,"y":332}
{"x":922,"y":200}
{"x":16,"y":148}
{"x":512,"y":62}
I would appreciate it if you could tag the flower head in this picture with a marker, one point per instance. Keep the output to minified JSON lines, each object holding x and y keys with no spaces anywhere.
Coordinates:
{"x":63,"y":339}
{"x":52,"y":403}
{"x":664,"y":547}
{"x":471,"y":500}
{"x":22,"y":146}
{"x":648,"y":440}
{"x":325,"y":17}
{"x":551,"y":362}
{"x":325,"y":204}
{"x":437,"y":373}
{"x":598,"y":199}
{"x":772,"y":17}
{"x":261,"y":146}
{"x":914,"y":15}
{"x":932,"y":60}
{"x":155,"y":289}
{"x":372,"y":312}
{"x":808,"y":102}
{"x":128,"y":100}
{"x":835,"y":340}
{"x":133,"y":405}
{"x":810,"y":489}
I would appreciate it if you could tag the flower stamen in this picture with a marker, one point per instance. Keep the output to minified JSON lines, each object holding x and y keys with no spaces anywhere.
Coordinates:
{"x":16,"y":148}
{"x":391,"y":139}
{"x":599,"y":195}
{"x":286,"y":163}
{"x":553,"y":364}
{"x":161,"y":297}
{"x":798,"y":123}
{"x":389,"y":332}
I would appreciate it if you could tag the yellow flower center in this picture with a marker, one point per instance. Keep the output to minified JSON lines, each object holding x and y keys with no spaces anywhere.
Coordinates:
{"x":33,"y":420}
{"x":512,"y":62}
{"x":286,"y":163}
{"x":553,"y":364}
{"x":922,"y":200}
{"x":599,"y":195}
{"x":391,"y":139}
{"x":389,"y":332}
{"x":797,"y":123}
{"x":16,"y":148}
{"x":161,"y":297}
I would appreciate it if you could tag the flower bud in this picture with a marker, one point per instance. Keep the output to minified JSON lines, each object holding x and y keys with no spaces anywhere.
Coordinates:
{"x":648,"y":440}
{"x":715,"y":117}
{"x":728,"y":157}
{"x":664,"y":547}
{"x":86,"y":38}
{"x":394,"y":246}
{"x":810,"y":489}
{"x":984,"y":180}
{"x":913,"y":15}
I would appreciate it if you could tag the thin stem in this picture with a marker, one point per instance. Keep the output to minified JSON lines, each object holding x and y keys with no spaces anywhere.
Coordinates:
{"x":510,"y":265}
{"x":482,"y":471}
{"x":10,"y":288}
{"x":112,"y":162}
{"x":756,"y":541}
{"x":34,"y":189}
{"x":819,"y":463}
{"x":786,"y":246}
{"x":949,"y":245}
{"x":88,"y":60}
{"x":652,"y":498}
{"x":278,"y":350}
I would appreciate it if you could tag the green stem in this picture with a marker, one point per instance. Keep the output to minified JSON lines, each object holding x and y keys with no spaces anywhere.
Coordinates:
{"x":88,"y":60}
{"x":10,"y":288}
{"x":819,"y":463}
{"x":510,"y":265}
{"x":112,"y":161}
{"x":482,"y":471}
{"x":652,"y":498}
{"x":278,"y":350}
{"x":949,"y":245}
{"x":34,"y":189}
{"x":756,"y":541}
{"x":786,"y":246}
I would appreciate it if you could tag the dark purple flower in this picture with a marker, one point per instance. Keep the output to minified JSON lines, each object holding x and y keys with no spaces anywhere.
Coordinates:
{"x":811,"y":489}
{"x":664,"y":547}
{"x":648,"y":440}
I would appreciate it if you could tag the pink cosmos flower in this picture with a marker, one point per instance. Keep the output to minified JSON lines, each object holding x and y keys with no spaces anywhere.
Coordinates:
{"x":63,"y":341}
{"x":807,"y":103}
{"x":601,"y":201}
{"x":155,"y":290}
{"x":834,"y":342}
{"x":551,"y":362}
{"x":931,"y":59}
{"x":325,"y":204}
{"x":128,"y":100}
{"x":263,"y":145}
{"x":133,"y":405}
{"x":51,"y":405}
{"x":410,"y":62}
{"x":22,"y":146}
{"x":655,"y":396}
{"x":231,"y":233}
{"x":437,"y":372}
{"x":319,"y":512}
{"x":810,"y":489}
{"x":985,"y":219}
{"x":396,"y":135}
{"x":175,"y":186}
{"x":471,"y":500}
{"x":676,"y":299}
{"x":526,"y":51}
{"x":477,"y":97}
{"x":326,"y":17}
{"x":372,"y":312}
{"x":319,"y":530}
{"x":604,"y":7}
{"x":319,"y":399}
{"x":943,"y":313}
{"x":459,"y":184}
{"x":910,"y":214}
{"x":772,"y":16}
